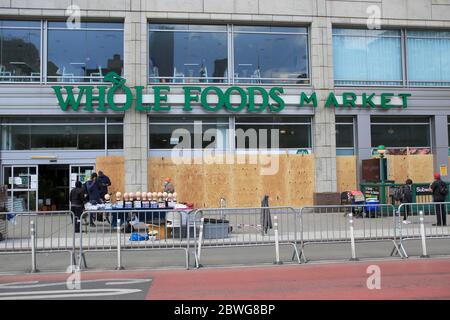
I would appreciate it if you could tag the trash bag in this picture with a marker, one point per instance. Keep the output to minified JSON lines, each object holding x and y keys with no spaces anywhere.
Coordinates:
{"x":137,"y":237}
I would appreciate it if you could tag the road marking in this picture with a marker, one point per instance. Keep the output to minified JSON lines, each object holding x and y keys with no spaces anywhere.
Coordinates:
{"x":58,"y":294}
{"x":36,"y":284}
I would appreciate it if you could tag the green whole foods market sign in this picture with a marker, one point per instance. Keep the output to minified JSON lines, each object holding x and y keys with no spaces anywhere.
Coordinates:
{"x":120,"y":97}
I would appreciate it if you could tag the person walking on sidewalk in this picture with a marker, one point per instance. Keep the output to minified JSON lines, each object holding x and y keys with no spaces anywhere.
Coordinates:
{"x":406,"y":198}
{"x":440,"y":191}
{"x":77,"y":203}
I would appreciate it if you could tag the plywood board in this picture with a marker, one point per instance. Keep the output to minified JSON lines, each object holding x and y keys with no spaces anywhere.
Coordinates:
{"x":114,"y":168}
{"x":419,"y":168}
{"x":241,"y":184}
{"x":346,"y":173}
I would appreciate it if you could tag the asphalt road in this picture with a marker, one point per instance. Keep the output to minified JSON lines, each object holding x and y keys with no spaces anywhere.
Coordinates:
{"x":406,"y":279}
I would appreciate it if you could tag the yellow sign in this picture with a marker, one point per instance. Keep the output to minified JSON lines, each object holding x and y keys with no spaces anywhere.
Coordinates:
{"x":443,"y":170}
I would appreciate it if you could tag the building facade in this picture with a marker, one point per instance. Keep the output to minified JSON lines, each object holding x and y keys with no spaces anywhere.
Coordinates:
{"x":333,"y":79}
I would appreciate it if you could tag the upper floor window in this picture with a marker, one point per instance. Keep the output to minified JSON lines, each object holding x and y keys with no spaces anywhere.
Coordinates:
{"x":367,"y":57}
{"x":20,"y":51}
{"x":227,"y":54}
{"x":401,"y":132}
{"x":428,"y":58}
{"x":187,"y":53}
{"x":84,"y":54}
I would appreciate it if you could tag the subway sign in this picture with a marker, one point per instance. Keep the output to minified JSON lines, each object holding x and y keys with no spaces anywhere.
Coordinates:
{"x":120,"y":98}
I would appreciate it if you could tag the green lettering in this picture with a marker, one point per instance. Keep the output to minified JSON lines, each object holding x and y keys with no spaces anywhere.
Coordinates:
{"x":404,"y":97}
{"x":367,"y":100}
{"x":188,"y":97}
{"x":228,"y":96}
{"x":70,"y":99}
{"x":128,"y":98}
{"x":385,"y":99}
{"x":100,"y":98}
{"x":331,"y":100}
{"x":204,"y":99}
{"x":251,"y":99}
{"x":160,"y":97}
{"x":305,"y":99}
{"x":349,"y":99}
{"x":140,"y":106}
{"x":279,"y":102}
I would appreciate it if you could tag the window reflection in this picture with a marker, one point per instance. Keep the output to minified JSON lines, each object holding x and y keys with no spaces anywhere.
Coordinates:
{"x":261,"y":57}
{"x":186,"y":56}
{"x":20,"y":51}
{"x":84,"y":55}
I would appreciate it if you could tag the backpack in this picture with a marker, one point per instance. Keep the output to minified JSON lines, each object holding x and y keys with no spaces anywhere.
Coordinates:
{"x":443,"y":190}
{"x":406,"y":193}
{"x":398,"y":194}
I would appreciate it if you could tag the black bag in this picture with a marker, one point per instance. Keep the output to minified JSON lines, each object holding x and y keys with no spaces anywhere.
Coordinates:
{"x":398,"y":194}
{"x":443,"y":190}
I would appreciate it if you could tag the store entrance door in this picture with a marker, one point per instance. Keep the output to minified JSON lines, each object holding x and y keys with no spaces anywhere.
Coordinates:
{"x":54,"y":187}
{"x":22,"y":187}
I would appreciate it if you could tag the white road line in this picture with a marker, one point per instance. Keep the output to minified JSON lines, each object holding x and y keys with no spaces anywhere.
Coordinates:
{"x":58,"y":294}
{"x":36,"y":284}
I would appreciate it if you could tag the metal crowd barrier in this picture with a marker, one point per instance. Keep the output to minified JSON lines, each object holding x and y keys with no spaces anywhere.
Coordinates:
{"x":37,"y":232}
{"x":245,"y":227}
{"x":349,"y":224}
{"x":427,"y":220}
{"x":138,"y":229}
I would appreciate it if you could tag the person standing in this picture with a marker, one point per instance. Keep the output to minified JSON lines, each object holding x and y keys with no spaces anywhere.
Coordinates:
{"x":104,"y":183}
{"x":406,"y":198}
{"x":92,"y":188}
{"x":77,"y":203}
{"x":440,"y":191}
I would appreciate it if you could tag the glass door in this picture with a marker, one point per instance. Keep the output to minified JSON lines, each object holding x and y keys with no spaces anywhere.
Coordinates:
{"x":80,"y":173}
{"x":22,"y":182}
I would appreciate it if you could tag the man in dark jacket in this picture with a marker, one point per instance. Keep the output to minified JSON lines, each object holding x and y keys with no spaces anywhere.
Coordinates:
{"x":77,"y":203}
{"x":406,"y":197}
{"x":93,"y":189}
{"x":440,"y":191}
{"x":104,"y":183}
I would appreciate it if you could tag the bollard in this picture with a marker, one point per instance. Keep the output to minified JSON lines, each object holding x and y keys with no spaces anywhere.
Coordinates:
{"x":352,"y":238}
{"x":33,"y":247}
{"x":422,"y":235}
{"x":119,"y":255}
{"x":200,"y":238}
{"x":277,"y":242}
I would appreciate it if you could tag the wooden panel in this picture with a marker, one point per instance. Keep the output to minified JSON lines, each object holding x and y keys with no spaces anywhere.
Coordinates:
{"x":419,"y":168}
{"x":241,"y":184}
{"x":346,"y":173}
{"x":114,"y":168}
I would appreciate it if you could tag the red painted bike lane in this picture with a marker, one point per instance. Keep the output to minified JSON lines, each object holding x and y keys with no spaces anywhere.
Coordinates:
{"x":408,"y":279}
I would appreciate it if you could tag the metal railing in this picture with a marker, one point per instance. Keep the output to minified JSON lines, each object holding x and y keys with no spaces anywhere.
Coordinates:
{"x":138,"y":229}
{"x":38,"y":232}
{"x":245,"y":227}
{"x":423,"y":221}
{"x":349,"y":224}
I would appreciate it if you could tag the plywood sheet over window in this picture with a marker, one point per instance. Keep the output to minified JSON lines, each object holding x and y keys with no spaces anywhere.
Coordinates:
{"x":241,"y":185}
{"x":419,"y":168}
{"x":346,"y":173}
{"x":114,"y":168}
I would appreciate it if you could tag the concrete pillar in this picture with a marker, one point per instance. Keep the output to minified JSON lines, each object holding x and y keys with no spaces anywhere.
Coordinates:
{"x":324,"y":130}
{"x":363,"y":141}
{"x":135,"y":122}
{"x":440,"y":142}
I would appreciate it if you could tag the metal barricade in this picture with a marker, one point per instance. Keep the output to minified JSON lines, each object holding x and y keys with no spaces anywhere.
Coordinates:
{"x":137,"y":229}
{"x":422,"y":221}
{"x":245,"y":227}
{"x":349,"y":224}
{"x":38,"y":232}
